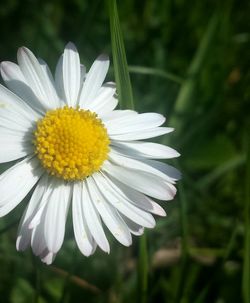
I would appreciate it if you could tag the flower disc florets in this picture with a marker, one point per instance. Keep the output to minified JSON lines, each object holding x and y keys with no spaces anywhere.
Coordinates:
{"x":71,"y":143}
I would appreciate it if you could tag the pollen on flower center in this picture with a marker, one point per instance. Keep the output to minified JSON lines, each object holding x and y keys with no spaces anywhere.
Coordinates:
{"x":71,"y":143}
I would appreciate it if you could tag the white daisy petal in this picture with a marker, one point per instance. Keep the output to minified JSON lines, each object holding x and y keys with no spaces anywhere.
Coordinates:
{"x":50,"y":86}
{"x":10,"y":152}
{"x":145,"y":150}
{"x":24,"y":233}
{"x":48,"y":258}
{"x":35,"y":77}
{"x":55,"y":215}
{"x":71,"y":74}
{"x":83,"y":236}
{"x":142,"y":181}
{"x":105,"y":101}
{"x":11,"y":102}
{"x":134,"y":228}
{"x":93,"y":220}
{"x":135,"y":123}
{"x":83,"y":74}
{"x":166,"y":169}
{"x":94,"y":80}
{"x":14,"y":145}
{"x":119,"y":200}
{"x":15,"y":81}
{"x":38,"y":242}
{"x":14,"y":187}
{"x":11,"y":120}
{"x":59,"y":79}
{"x":140,"y":135}
{"x":117,"y":115}
{"x":109,"y":215}
{"x":144,"y":165}
{"x":36,"y":219}
{"x":140,"y":200}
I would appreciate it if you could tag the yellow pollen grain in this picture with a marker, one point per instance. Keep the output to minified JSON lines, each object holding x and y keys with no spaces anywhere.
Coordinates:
{"x":71,"y":143}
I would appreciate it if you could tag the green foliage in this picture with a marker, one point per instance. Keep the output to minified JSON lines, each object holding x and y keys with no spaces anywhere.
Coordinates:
{"x":189,"y":62}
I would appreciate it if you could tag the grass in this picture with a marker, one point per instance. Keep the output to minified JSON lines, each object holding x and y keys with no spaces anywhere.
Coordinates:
{"x":188,"y":62}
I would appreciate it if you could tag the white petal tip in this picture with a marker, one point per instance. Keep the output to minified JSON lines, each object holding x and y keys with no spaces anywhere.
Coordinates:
{"x":3,"y":65}
{"x":22,"y":49}
{"x":71,"y":45}
{"x":18,"y":246}
{"x":103,"y":57}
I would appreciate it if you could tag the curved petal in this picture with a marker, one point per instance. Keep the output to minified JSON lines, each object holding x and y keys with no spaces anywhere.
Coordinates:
{"x":134,"y":228}
{"x":16,"y":82}
{"x":11,"y":120}
{"x":59,"y":79}
{"x":35,"y":76}
{"x":14,"y":187}
{"x":93,"y":220}
{"x":120,"y":201}
{"x":145,"y":150}
{"x":71,"y":74}
{"x":118,"y":115}
{"x":51,"y":86}
{"x":135,"y":123}
{"x":105,"y":101}
{"x":24,"y":232}
{"x":144,"y":182}
{"x":11,"y":102}
{"x":55,"y":215}
{"x":140,"y":200}
{"x":140,"y":135}
{"x":83,"y":236}
{"x":109,"y":214}
{"x":143,"y":165}
{"x":93,"y":81}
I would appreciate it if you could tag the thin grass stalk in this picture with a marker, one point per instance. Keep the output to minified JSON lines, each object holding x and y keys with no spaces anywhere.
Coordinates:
{"x":143,"y":270}
{"x":125,"y":96}
{"x":144,"y":70}
{"x":122,"y":78}
{"x":246,"y":262}
{"x":183,"y":101}
{"x":184,"y":243}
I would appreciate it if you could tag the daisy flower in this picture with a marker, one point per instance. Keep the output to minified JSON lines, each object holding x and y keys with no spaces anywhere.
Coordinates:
{"x":73,"y":149}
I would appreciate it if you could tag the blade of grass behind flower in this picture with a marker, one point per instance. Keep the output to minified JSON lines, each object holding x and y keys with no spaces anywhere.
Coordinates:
{"x":227,"y":252}
{"x":125,"y":97}
{"x":246,"y":263}
{"x":121,"y":72}
{"x":183,"y":101}
{"x":155,"y":72}
{"x":184,"y":244}
{"x":143,"y":270}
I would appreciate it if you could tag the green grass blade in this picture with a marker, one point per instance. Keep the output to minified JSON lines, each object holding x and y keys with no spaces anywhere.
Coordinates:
{"x":125,"y":96}
{"x":219,"y":171}
{"x":122,"y":78}
{"x":155,"y":72}
{"x":184,"y":244}
{"x":227,"y":252}
{"x":143,"y":270}
{"x":185,"y":94}
{"x":246,"y":263}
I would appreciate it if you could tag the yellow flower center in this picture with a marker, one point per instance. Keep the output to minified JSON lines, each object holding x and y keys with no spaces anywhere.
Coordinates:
{"x":71,"y":143}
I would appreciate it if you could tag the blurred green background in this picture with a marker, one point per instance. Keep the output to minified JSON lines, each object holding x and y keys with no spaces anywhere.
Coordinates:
{"x":188,"y":60}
